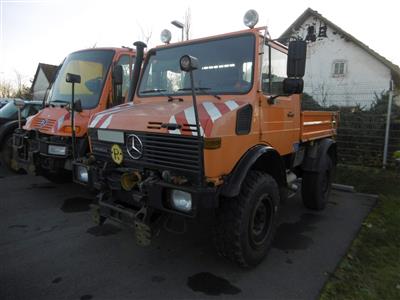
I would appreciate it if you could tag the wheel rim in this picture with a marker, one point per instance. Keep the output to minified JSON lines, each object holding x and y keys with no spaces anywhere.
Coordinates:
{"x":260,"y":221}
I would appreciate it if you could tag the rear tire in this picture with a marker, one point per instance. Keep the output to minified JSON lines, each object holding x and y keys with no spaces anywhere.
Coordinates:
{"x":246,"y":224}
{"x":316,"y":186}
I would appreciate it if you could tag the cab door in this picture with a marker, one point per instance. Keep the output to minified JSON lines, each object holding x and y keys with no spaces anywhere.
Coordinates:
{"x":120,"y":91}
{"x":280,"y":116}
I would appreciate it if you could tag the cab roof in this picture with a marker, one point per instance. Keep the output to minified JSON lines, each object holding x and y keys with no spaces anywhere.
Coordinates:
{"x":116,"y":49}
{"x":256,"y":30}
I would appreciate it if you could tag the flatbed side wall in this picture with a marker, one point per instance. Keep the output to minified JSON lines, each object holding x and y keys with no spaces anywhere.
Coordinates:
{"x":317,"y":124}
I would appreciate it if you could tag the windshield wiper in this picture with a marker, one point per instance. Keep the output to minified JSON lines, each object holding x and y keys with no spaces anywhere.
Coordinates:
{"x":202,"y":89}
{"x":160,"y":91}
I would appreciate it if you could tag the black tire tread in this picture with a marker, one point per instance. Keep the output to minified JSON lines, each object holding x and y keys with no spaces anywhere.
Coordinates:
{"x":310,"y":188}
{"x":230,"y":218}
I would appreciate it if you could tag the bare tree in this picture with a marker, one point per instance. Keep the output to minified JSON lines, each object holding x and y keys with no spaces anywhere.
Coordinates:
{"x":323,"y":93}
{"x":22,"y":91}
{"x":145,"y":34}
{"x":188,"y":23}
{"x":6,"y":89}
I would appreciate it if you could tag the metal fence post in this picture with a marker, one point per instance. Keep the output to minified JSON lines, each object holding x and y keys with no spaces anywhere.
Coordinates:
{"x":389,"y":112}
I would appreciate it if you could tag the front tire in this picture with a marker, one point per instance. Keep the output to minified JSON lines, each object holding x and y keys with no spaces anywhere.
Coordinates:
{"x":246,"y":224}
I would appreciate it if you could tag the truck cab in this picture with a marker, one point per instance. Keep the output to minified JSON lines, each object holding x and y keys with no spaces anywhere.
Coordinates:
{"x":217,"y":124}
{"x":44,"y":145}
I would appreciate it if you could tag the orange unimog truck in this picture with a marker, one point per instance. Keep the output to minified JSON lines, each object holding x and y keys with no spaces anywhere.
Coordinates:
{"x":88,"y":81}
{"x":216,"y":124}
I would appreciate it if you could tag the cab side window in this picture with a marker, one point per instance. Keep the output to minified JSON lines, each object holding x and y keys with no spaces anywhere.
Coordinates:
{"x":126,"y":62}
{"x":273,"y":70}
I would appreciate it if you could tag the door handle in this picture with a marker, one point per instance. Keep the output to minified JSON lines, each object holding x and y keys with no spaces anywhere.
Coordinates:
{"x":290,"y":114}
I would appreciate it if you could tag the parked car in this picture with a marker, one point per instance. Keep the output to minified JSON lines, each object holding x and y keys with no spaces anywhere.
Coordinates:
{"x":3,"y":101}
{"x":9,"y":122}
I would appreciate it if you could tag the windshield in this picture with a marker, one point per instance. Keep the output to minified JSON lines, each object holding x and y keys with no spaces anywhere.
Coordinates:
{"x":93,"y":67}
{"x":225,"y":67}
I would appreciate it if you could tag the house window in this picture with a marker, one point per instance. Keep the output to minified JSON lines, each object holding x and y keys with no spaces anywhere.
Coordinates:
{"x":339,"y":68}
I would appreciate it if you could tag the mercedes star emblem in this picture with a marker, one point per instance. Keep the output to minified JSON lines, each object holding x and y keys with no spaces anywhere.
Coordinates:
{"x":134,"y":146}
{"x":42,"y":123}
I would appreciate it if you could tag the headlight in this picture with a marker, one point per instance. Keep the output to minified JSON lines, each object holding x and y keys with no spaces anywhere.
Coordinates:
{"x":82,"y":174}
{"x":181,"y":200}
{"x":57,"y":150}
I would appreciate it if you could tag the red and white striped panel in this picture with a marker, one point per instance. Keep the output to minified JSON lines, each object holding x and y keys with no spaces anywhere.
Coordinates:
{"x":209,"y":112}
{"x":61,"y":120}
{"x":103,"y":119}
{"x":28,"y":122}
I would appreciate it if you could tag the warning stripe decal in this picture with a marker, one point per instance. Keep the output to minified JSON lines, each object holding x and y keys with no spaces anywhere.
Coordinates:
{"x":106,"y":122}
{"x":208,"y":113}
{"x":107,"y":113}
{"x":61,"y":120}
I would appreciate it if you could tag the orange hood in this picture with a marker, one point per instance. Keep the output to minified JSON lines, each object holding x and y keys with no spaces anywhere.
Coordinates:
{"x":57,"y":121}
{"x":152,"y":115}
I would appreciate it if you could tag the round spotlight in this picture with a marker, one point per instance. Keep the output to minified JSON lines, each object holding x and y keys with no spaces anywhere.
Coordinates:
{"x":250,"y":18}
{"x":166,"y":36}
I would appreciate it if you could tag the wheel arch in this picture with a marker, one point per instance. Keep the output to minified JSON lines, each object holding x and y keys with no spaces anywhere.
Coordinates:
{"x":260,"y":158}
{"x":315,"y":154}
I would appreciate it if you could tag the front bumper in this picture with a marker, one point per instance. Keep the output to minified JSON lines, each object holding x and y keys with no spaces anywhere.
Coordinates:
{"x":153,"y":194}
{"x":32,"y":152}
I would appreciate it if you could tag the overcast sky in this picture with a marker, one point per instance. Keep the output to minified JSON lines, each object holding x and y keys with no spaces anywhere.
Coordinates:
{"x":34,"y":31}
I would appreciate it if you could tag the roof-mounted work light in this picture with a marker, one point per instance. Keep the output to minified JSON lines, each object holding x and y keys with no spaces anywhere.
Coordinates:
{"x":250,"y":18}
{"x":166,"y":36}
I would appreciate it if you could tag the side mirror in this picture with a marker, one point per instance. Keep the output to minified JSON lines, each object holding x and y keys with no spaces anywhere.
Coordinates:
{"x":118,"y":75}
{"x":293,"y":86}
{"x":78,"y":105}
{"x":73,"y":78}
{"x":296,"y":64}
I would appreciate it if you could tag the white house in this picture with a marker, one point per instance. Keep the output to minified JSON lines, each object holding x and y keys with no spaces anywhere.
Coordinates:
{"x":43,"y":77}
{"x":340,"y":70}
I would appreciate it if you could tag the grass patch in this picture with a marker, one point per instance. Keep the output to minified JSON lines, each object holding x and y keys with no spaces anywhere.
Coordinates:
{"x":371,"y":268}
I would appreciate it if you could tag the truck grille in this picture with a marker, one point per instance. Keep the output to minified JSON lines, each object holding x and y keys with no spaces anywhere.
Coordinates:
{"x":160,"y":151}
